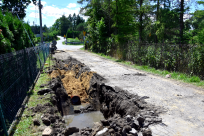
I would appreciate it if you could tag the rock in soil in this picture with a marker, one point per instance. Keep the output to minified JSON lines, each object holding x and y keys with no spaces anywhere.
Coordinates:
{"x":36,"y":122}
{"x":97,"y":126}
{"x":147,"y":132}
{"x":47,"y":132}
{"x":46,"y":121}
{"x":43,"y":91}
{"x":71,"y":130}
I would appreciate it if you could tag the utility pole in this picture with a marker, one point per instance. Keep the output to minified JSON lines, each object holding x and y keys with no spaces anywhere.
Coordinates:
{"x":40,"y":7}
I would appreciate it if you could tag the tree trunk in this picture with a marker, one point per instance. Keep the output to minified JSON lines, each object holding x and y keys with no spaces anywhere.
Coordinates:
{"x":140,"y":20}
{"x":181,"y":21}
{"x":109,"y":21}
{"x":157,"y":17}
{"x":116,"y":17}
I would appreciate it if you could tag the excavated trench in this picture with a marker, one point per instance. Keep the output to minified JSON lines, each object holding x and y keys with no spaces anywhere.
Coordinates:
{"x":90,"y":107}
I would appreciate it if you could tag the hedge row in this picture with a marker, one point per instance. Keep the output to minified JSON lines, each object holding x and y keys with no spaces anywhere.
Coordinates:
{"x":12,"y":34}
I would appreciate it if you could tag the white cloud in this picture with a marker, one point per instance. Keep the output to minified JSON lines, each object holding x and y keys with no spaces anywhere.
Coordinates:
{"x":53,"y":11}
{"x":85,"y":17}
{"x":72,"y":5}
{"x":35,"y":15}
{"x":58,"y":12}
{"x":43,"y":3}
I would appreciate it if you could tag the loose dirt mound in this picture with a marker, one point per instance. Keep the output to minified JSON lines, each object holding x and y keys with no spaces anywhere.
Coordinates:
{"x":75,"y":86}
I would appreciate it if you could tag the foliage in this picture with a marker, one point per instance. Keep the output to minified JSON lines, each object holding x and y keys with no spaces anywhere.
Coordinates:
{"x":70,"y":26}
{"x":72,"y":34}
{"x":13,"y":36}
{"x":18,"y":6}
{"x":50,"y":36}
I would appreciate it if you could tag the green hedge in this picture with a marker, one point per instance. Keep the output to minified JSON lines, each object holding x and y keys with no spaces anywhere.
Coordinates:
{"x":70,"y":34}
{"x":13,"y":36}
{"x":49,"y":36}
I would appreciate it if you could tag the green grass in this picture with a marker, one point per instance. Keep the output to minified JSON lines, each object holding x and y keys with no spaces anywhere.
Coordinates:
{"x":195,"y":80}
{"x":73,"y":40}
{"x":72,"y":44}
{"x":82,"y":48}
{"x":25,"y":126}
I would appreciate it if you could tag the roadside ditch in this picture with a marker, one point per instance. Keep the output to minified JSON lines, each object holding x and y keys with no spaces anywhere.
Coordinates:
{"x":89,"y":107}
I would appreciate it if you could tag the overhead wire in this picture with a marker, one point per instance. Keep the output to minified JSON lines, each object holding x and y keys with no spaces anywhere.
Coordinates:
{"x":29,"y":38}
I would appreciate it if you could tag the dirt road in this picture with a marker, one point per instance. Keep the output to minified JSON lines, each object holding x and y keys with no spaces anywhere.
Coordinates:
{"x":183,"y":104}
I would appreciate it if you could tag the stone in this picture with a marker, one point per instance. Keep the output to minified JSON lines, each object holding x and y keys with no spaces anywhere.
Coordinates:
{"x":111,"y":131}
{"x":168,"y":76}
{"x":140,"y":120}
{"x":102,"y":132}
{"x":43,"y":91}
{"x":77,"y":111}
{"x":42,"y":85}
{"x":133,"y":131}
{"x":97,"y":126}
{"x":105,"y":122}
{"x":46,"y":121}
{"x":36,"y":122}
{"x":135,"y":125}
{"x":125,"y":130}
{"x":139,"y":134}
{"x":47,"y":132}
{"x":32,"y":115}
{"x":147,"y":132}
{"x":76,"y":134}
{"x":52,"y":119}
{"x":71,"y":130}
{"x":128,"y":117}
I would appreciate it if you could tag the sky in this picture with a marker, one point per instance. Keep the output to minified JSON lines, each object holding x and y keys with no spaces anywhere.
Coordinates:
{"x":54,"y":9}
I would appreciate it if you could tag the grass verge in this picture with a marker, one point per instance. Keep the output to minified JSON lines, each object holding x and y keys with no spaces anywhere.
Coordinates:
{"x":73,"y":44}
{"x":25,"y":127}
{"x":195,"y":80}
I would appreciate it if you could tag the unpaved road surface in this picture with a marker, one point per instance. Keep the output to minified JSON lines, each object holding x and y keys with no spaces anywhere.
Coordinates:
{"x":60,"y":46}
{"x":183,"y":104}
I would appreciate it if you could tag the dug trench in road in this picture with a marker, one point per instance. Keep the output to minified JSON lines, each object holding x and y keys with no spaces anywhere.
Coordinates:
{"x":125,"y":113}
{"x":183,"y":103}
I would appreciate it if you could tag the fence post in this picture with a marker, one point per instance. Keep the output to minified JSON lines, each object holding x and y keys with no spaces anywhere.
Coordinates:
{"x":2,"y":120}
{"x":39,"y":57}
{"x":43,"y":52}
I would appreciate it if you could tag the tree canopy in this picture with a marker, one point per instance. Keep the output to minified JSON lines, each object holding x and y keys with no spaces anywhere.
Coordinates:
{"x":18,"y":6}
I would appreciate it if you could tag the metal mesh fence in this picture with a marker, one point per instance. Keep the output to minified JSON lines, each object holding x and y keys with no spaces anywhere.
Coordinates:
{"x":17,"y":73}
{"x":184,"y":58}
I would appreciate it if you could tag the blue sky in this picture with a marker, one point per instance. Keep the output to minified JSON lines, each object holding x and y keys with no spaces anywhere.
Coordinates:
{"x":54,"y":9}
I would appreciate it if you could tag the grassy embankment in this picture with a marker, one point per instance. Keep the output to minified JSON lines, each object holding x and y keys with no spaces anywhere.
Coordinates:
{"x":195,"y":80}
{"x":25,"y":127}
{"x":73,"y":40}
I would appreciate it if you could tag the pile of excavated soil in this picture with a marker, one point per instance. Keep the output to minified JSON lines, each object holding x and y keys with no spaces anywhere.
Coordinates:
{"x":125,"y":114}
{"x":75,"y":86}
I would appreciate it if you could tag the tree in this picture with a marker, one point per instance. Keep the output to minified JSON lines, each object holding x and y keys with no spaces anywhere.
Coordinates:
{"x":79,"y":20}
{"x":18,"y":6}
{"x":181,"y":20}
{"x":81,"y":27}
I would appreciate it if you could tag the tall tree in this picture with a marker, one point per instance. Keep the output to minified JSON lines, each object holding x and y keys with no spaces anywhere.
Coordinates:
{"x":140,"y":21}
{"x":181,"y":20}
{"x":17,"y":6}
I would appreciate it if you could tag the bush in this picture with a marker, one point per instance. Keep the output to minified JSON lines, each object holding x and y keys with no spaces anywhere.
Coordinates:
{"x":13,"y":36}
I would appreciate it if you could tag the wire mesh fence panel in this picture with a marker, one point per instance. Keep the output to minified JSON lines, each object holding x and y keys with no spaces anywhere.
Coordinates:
{"x":18,"y":71}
